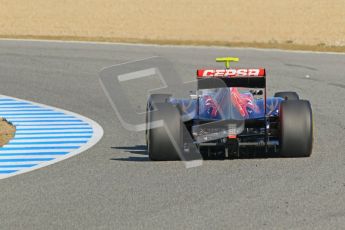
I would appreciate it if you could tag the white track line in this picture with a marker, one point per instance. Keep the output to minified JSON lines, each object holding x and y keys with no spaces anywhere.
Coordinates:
{"x":33,"y":116}
{"x":15,"y":109}
{"x":54,"y":126}
{"x":14,"y":145}
{"x":52,"y":135}
{"x":18,"y":119}
{"x":18,"y":163}
{"x":67,"y":149}
{"x":32,"y":158}
{"x":45,"y":123}
{"x":16,"y":106}
{"x":33,"y":112}
{"x":53,"y":131}
{"x":14,"y":141}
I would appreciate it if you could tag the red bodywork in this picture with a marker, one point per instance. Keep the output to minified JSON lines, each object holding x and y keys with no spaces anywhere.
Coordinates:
{"x":230,"y":73}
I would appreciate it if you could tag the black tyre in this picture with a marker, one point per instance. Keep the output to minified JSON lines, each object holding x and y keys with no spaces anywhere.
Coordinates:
{"x":154,"y":99}
{"x":159,"y":144}
{"x":296,"y":128}
{"x":287,"y":95}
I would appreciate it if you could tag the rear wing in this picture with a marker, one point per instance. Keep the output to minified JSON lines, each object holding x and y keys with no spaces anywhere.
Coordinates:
{"x":220,"y":78}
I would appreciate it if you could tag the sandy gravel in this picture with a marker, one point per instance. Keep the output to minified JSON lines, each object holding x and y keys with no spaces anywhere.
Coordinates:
{"x":7,"y":131}
{"x":285,"y":21}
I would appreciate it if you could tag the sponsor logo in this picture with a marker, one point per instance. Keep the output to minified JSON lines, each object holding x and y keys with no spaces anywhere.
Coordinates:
{"x":231,"y":73}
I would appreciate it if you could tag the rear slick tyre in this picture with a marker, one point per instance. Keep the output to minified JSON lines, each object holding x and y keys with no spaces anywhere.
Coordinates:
{"x":161,"y":145}
{"x":154,"y":99}
{"x":296,"y":129}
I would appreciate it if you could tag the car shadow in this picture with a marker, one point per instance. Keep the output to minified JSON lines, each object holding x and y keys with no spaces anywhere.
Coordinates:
{"x":137,"y":149}
{"x":142,"y":151}
{"x":259,"y":155}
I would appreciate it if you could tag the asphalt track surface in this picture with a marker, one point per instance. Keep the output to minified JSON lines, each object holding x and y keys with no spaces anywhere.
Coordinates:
{"x":107,"y":187}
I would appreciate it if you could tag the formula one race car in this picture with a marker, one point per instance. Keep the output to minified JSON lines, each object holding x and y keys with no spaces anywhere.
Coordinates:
{"x":229,"y":113}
